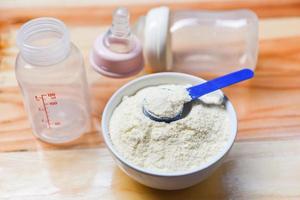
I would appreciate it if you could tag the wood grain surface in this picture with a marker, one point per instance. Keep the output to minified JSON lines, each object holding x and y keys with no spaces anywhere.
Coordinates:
{"x":264,"y":163}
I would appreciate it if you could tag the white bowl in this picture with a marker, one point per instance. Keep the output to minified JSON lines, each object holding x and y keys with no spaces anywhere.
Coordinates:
{"x":166,"y":181}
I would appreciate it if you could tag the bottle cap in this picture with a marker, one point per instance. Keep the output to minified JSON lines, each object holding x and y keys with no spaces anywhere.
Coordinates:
{"x":117,"y":53}
{"x":114,"y":64}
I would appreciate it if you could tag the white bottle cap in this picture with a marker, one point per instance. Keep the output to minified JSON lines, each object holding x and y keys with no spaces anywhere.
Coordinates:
{"x":157,"y":39}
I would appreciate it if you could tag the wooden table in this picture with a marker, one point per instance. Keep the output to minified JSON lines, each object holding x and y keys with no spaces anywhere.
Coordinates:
{"x":263,"y":164}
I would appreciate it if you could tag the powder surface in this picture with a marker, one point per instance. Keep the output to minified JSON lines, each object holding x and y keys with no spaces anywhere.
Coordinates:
{"x":213,"y":98}
{"x":178,"y":146}
{"x":166,"y":101}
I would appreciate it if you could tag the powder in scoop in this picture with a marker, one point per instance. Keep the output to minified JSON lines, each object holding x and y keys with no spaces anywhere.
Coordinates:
{"x":179,"y":146}
{"x":166,"y":101}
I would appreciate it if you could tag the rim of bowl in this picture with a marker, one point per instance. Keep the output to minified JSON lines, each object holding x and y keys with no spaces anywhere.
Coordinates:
{"x":215,"y":159}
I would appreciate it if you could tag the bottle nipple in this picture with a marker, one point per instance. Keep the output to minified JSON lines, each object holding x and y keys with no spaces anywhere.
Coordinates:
{"x":118,"y":38}
{"x":120,"y":24}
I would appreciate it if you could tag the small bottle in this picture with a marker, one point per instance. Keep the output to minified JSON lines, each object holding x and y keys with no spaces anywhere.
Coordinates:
{"x":117,"y":53}
{"x":51,"y":74}
{"x":199,"y":41}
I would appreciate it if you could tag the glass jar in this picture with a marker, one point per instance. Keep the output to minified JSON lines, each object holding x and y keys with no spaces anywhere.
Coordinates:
{"x":51,"y":74}
{"x":199,"y":41}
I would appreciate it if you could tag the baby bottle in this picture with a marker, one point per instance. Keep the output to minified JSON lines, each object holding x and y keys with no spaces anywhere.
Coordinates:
{"x":51,"y":74}
{"x":199,"y":41}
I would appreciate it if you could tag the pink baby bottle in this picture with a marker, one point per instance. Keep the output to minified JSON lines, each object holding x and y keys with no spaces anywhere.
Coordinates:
{"x":117,"y":53}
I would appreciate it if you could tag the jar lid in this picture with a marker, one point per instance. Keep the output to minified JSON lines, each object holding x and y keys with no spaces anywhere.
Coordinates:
{"x":157,"y":39}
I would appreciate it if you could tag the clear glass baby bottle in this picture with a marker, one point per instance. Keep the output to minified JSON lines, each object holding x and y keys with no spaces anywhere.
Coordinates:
{"x":51,"y":74}
{"x":199,"y":41}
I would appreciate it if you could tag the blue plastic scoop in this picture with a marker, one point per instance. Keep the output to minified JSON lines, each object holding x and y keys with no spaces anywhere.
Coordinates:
{"x":199,"y":90}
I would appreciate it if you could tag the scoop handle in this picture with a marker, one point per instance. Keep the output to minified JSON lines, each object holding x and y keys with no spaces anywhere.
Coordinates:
{"x":220,"y":82}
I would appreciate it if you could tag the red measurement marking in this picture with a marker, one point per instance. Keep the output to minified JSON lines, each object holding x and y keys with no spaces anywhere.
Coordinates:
{"x":37,"y":98}
{"x":44,"y":98}
{"x":52,"y":95}
{"x":45,"y":109}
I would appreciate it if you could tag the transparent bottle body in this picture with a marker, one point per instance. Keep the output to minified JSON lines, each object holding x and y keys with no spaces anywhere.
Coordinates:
{"x":204,"y":41}
{"x":56,"y":97}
